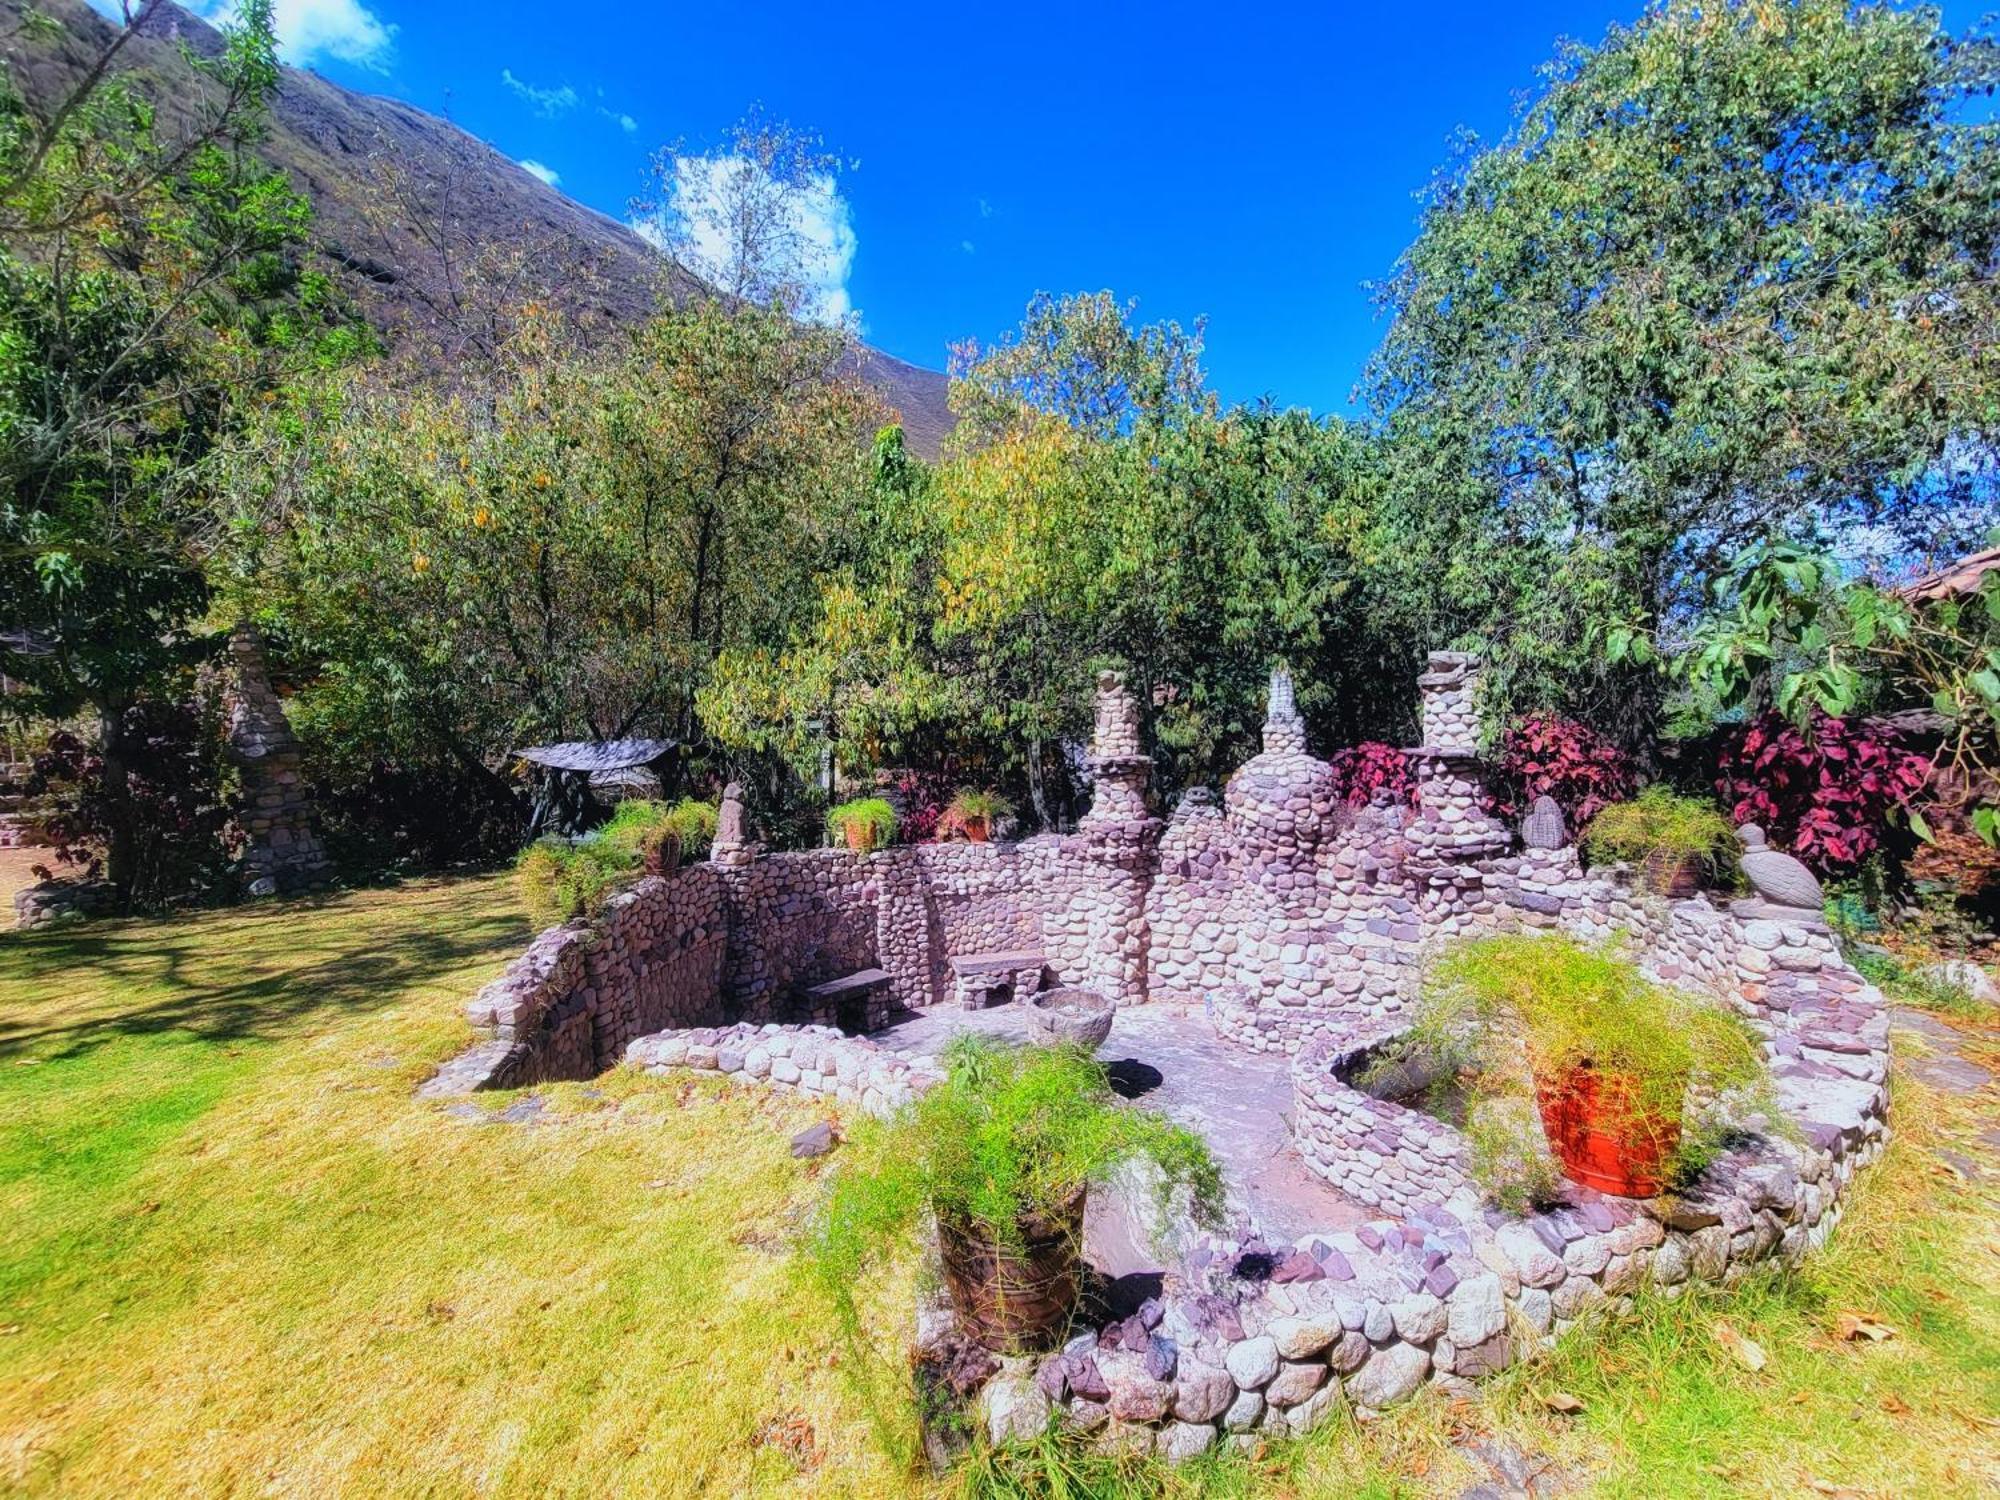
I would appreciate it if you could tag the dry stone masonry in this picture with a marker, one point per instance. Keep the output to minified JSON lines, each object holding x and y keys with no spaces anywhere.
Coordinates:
{"x":1283,"y":922}
{"x":281,"y":852}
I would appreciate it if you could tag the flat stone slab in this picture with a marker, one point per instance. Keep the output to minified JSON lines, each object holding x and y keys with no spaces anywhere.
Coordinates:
{"x":859,"y":982}
{"x":997,"y":963}
{"x":1170,"y":1059}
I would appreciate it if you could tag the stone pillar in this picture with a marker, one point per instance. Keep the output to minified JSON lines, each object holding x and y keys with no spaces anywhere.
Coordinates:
{"x":1118,"y":839}
{"x":1452,"y":827}
{"x":281,"y":851}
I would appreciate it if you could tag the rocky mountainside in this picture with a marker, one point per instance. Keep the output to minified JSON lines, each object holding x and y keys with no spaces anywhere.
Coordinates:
{"x":430,"y":228}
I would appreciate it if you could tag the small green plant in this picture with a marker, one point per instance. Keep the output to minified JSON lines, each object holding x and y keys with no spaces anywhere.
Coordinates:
{"x":694,"y":824}
{"x":865,"y":823}
{"x":1500,"y":1013}
{"x":971,"y":803}
{"x":1510,"y":1155}
{"x":1660,"y":831}
{"x":1011,"y":1134}
{"x":560,"y":881}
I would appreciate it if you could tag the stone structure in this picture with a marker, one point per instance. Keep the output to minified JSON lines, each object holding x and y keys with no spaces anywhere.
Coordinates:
{"x":1786,"y":890}
{"x":50,"y":901}
{"x":1293,"y":925}
{"x":281,"y":851}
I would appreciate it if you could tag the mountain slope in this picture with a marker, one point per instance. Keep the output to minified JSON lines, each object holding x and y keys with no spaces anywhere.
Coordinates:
{"x":430,"y":228}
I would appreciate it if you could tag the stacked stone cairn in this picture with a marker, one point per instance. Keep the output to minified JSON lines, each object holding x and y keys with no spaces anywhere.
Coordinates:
{"x":282,"y":852}
{"x":1296,"y":926}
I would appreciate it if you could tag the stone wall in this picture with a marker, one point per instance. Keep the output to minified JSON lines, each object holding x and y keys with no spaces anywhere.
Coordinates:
{"x":569,"y":1005}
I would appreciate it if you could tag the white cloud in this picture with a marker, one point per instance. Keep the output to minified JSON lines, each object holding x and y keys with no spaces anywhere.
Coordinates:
{"x":312,"y":30}
{"x":814,"y":239}
{"x":985,"y":209}
{"x":548,"y":102}
{"x":966,"y":246}
{"x":548,"y":175}
{"x":625,"y":122}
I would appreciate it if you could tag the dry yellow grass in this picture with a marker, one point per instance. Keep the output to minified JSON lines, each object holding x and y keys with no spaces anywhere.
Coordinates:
{"x":241,"y":1257}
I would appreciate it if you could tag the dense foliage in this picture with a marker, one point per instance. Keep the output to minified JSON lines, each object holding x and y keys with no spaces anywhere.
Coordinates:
{"x":1549,"y":756}
{"x":1826,"y":792}
{"x":1659,"y":823}
{"x":1370,"y":770}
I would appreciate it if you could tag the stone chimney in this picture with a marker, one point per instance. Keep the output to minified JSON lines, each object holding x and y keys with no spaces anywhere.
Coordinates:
{"x":281,"y":851}
{"x":1120,"y":773}
{"x":1452,"y":826}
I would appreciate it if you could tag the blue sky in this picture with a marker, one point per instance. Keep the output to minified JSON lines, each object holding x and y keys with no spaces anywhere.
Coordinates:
{"x":1255,"y":163}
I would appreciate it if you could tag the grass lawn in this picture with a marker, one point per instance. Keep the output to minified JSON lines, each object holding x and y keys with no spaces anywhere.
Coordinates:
{"x":241,"y":1257}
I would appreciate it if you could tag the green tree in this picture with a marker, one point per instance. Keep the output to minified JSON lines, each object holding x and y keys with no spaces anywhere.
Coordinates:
{"x":147,"y":279}
{"x":1729,"y":279}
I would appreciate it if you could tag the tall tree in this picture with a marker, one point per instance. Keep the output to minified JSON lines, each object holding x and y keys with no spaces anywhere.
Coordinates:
{"x":1730,"y":277}
{"x":146,"y":277}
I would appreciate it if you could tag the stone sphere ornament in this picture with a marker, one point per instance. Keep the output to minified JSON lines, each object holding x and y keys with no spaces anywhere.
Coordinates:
{"x":1544,"y":828}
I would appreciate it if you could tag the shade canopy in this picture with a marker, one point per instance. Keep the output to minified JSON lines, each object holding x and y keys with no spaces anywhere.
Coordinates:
{"x":597,"y":755}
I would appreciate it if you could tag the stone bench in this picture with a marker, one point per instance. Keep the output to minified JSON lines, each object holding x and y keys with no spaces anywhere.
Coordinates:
{"x":982,"y":979}
{"x":857,"y":1003}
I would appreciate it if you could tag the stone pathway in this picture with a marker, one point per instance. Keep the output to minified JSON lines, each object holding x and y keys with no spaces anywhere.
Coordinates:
{"x":1171,"y":1060}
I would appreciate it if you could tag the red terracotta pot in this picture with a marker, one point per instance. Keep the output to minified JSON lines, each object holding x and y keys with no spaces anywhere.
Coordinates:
{"x":1600,"y":1138}
{"x":976,"y":830}
{"x":860,"y":836}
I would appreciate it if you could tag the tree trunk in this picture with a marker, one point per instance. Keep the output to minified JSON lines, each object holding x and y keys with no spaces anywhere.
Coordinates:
{"x":1035,"y":794}
{"x":115,"y":778}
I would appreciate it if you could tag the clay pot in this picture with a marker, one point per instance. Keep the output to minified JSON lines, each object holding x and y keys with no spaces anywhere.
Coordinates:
{"x":1016,"y":1300}
{"x":976,"y":830}
{"x":1667,"y":872}
{"x":860,"y":836}
{"x":662,"y":856}
{"x":1602,"y":1141}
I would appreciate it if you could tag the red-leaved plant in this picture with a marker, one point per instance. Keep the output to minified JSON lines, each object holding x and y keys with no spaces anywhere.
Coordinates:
{"x":1550,"y":756}
{"x":1824,"y":793}
{"x":1362,"y":771}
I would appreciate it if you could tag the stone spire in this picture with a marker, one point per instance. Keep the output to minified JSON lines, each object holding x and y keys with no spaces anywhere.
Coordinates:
{"x":1284,"y":730}
{"x":1119,"y":771}
{"x":281,"y":852}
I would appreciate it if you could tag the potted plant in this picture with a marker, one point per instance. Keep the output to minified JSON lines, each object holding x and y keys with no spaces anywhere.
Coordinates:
{"x":865,"y":823}
{"x":1001,"y":1156}
{"x":1674,"y":841}
{"x":1615,"y":1063}
{"x":976,"y":812}
{"x":693,"y":824}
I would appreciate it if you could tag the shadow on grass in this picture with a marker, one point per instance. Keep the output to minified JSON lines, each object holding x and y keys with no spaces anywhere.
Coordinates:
{"x":250,"y":973}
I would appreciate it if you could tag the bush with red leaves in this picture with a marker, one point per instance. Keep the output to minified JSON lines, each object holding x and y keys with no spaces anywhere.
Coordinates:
{"x":1824,"y":794}
{"x":1361,"y":771}
{"x":920,"y":799}
{"x":1550,"y":756}
{"x":180,"y":810}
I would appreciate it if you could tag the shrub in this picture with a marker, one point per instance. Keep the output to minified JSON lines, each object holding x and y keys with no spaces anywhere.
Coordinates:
{"x":1010,"y":1132}
{"x":1826,"y":793}
{"x":1362,"y":771}
{"x":1505,"y":1011}
{"x":969,"y":803}
{"x":1510,"y":1157}
{"x":1546,"y":756}
{"x":694,"y":824}
{"x":1657,"y":822}
{"x":872,"y":814}
{"x":177,"y":790}
{"x":560,"y":881}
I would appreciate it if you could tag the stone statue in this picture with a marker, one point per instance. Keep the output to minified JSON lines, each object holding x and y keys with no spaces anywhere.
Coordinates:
{"x":1786,"y":889}
{"x":729,"y":819}
{"x":1544,"y":828}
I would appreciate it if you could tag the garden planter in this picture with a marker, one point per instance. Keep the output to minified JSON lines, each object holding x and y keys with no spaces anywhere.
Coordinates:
{"x":1668,"y":872}
{"x":976,"y":831}
{"x":663,"y":856}
{"x":1071,"y":1015}
{"x":1016,"y":1299}
{"x":1602,"y":1141}
{"x":860,"y":837}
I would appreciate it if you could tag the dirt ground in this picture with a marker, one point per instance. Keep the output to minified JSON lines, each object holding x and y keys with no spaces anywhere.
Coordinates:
{"x":15,"y":875}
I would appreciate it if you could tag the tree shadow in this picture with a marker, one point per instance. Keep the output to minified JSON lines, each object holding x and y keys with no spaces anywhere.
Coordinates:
{"x":248,"y":974}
